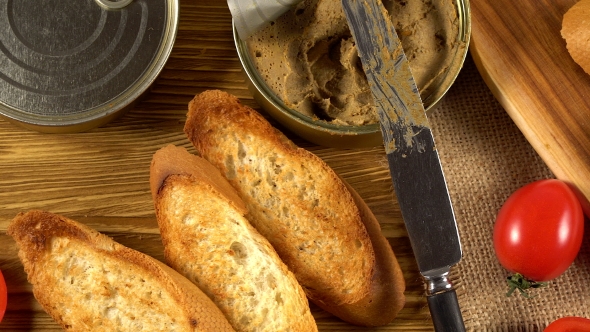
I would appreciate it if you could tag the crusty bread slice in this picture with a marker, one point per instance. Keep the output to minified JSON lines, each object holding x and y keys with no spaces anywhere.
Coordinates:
{"x":293,"y":197}
{"x":86,"y":281}
{"x":575,"y":29}
{"x":319,"y":225}
{"x":386,"y":298}
{"x":207,"y":239}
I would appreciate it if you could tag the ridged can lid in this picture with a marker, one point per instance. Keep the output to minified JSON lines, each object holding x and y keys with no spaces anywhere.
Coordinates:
{"x":72,"y":65}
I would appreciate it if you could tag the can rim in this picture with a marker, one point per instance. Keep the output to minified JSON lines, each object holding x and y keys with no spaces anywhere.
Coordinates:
{"x":97,"y":116}
{"x":464,"y":35}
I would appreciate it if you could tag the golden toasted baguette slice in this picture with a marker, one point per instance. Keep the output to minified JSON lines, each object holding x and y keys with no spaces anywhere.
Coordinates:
{"x":575,"y":29}
{"x":88,"y":282}
{"x":208,"y":239}
{"x":302,"y":207}
{"x":295,"y":199}
{"x":386,"y":298}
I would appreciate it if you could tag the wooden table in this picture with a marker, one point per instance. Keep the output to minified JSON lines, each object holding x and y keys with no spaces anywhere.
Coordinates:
{"x":100,"y":177}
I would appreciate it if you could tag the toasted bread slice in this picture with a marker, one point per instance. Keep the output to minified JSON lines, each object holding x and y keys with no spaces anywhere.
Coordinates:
{"x":293,"y":197}
{"x":207,"y":239}
{"x":86,"y":281}
{"x":322,"y":230}
{"x":386,"y":298}
{"x":575,"y":29}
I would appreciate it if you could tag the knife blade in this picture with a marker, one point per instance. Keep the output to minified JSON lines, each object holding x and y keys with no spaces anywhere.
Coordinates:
{"x":414,"y":163}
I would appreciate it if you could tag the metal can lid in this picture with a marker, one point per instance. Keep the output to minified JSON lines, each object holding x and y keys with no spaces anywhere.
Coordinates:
{"x":71,"y":64}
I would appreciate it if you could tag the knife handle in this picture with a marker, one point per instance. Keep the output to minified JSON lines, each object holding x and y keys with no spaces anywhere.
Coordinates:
{"x":445,"y":312}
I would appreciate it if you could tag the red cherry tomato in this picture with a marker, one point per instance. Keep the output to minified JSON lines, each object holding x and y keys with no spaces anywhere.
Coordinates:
{"x":569,"y":324}
{"x":539,"y":230}
{"x":3,"y":296}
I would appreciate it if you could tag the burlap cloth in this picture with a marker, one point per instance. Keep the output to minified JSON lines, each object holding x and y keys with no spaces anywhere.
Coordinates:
{"x":486,"y":158}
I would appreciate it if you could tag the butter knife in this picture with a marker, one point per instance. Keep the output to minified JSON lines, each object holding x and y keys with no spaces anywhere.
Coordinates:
{"x":414,"y":164}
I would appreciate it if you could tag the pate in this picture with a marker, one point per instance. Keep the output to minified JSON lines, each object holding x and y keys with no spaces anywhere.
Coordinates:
{"x":308,"y":57}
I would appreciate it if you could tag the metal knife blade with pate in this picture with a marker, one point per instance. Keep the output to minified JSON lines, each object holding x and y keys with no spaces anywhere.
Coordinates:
{"x":414,"y":164}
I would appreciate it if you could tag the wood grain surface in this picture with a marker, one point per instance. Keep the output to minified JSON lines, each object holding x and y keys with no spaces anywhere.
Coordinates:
{"x":100,"y":177}
{"x":518,"y":49}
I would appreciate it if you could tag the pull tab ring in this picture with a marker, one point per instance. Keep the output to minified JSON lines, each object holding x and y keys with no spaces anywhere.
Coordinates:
{"x":108,"y":4}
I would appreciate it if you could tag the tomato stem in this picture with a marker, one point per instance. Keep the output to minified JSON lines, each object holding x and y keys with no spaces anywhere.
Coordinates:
{"x":518,"y":281}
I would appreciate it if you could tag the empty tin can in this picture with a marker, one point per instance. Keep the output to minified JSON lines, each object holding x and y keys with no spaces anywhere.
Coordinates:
{"x":72,"y":65}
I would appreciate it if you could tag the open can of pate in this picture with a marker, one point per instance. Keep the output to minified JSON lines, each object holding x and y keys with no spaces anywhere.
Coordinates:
{"x":73,"y":65}
{"x":295,"y":64}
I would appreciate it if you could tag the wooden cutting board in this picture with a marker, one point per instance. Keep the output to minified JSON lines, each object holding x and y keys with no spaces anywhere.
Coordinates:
{"x":518,"y":49}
